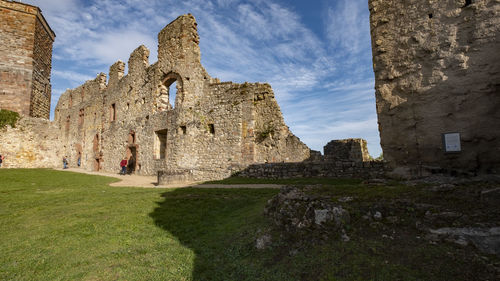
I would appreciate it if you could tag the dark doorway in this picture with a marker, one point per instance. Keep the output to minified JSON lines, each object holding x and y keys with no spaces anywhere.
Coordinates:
{"x":97,"y":165}
{"x":132,"y":160}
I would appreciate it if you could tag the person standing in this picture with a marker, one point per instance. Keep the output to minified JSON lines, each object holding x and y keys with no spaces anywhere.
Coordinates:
{"x":123,"y":165}
{"x":1,"y":160}
{"x":65,"y":162}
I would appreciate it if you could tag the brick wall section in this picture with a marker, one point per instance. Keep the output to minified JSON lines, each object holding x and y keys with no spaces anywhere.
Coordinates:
{"x":42,"y":65}
{"x":437,"y":70}
{"x":25,"y":59}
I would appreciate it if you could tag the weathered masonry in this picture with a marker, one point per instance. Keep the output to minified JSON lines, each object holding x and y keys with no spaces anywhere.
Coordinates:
{"x":212,"y":129}
{"x":25,"y":59}
{"x":437,"y":73}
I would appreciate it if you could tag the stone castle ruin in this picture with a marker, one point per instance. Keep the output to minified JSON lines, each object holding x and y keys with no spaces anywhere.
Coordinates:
{"x":437,"y":83}
{"x":212,"y":129}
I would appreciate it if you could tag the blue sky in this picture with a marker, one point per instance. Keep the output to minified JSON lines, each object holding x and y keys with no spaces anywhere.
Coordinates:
{"x":316,"y":54}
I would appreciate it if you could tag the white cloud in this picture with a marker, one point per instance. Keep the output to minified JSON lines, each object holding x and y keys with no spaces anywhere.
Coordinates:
{"x":72,"y":76}
{"x":115,"y":45}
{"x":347,"y":26}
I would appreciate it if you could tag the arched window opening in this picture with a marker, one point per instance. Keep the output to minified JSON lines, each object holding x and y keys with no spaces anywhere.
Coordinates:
{"x":172,"y":92}
{"x":168,"y":91}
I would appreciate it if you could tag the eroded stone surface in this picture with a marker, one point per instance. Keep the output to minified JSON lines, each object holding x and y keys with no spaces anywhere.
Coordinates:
{"x":487,"y":240}
{"x":33,"y":143}
{"x":293,"y":210}
{"x":437,"y":70}
{"x":346,"y":150}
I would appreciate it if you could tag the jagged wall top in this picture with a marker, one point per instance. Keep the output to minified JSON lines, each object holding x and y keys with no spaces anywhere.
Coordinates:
{"x":179,"y":50}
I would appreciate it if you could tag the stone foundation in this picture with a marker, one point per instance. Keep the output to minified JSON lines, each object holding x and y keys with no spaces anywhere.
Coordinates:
{"x":340,"y":169}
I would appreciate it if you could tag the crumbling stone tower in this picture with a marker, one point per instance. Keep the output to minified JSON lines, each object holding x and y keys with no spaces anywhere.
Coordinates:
{"x":437,"y":81}
{"x":25,"y":59}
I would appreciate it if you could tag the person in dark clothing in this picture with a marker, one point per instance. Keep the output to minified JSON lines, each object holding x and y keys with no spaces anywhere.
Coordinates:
{"x":123,"y":165}
{"x":1,"y":160}
{"x":65,"y":162}
{"x":131,"y":165}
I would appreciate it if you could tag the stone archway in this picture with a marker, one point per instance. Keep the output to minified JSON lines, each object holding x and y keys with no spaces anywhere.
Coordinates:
{"x":164,"y":92}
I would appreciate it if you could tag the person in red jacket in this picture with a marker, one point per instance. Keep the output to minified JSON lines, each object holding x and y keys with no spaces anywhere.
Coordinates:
{"x":123,"y":164}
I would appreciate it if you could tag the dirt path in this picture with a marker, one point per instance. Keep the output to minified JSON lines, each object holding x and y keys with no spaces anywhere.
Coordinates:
{"x":152,"y":182}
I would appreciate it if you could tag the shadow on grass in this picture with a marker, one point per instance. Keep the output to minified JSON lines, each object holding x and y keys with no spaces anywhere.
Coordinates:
{"x":219,"y":226}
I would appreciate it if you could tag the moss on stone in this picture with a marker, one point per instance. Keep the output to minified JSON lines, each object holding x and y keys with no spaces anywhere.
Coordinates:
{"x":8,"y":117}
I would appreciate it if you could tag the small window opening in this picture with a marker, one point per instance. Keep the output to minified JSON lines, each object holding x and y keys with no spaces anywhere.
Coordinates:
{"x":467,"y":3}
{"x":143,"y":100}
{"x":430,"y":16}
{"x":131,"y":138}
{"x":182,"y":130}
{"x":128,"y":106}
{"x":67,"y":124}
{"x":81,"y":116}
{"x":211,"y":129}
{"x":112,"y":113}
{"x":172,"y":92}
{"x":161,"y":144}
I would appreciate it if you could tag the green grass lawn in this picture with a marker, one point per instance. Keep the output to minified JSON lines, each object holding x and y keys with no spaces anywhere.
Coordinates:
{"x":67,"y":226}
{"x":57,"y":225}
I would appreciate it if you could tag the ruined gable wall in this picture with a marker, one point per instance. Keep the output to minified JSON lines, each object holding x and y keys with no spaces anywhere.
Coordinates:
{"x":273,"y":140}
{"x":209,"y":130}
{"x":437,"y":70}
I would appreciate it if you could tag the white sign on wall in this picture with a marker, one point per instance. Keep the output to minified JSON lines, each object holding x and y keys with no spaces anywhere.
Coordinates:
{"x":451,"y":142}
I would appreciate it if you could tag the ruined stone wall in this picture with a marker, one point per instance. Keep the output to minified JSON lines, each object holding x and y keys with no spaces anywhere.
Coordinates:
{"x":437,"y":70}
{"x":208,"y":133}
{"x":25,"y":59}
{"x":338,"y":169}
{"x":347,"y":149}
{"x":33,"y":143}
